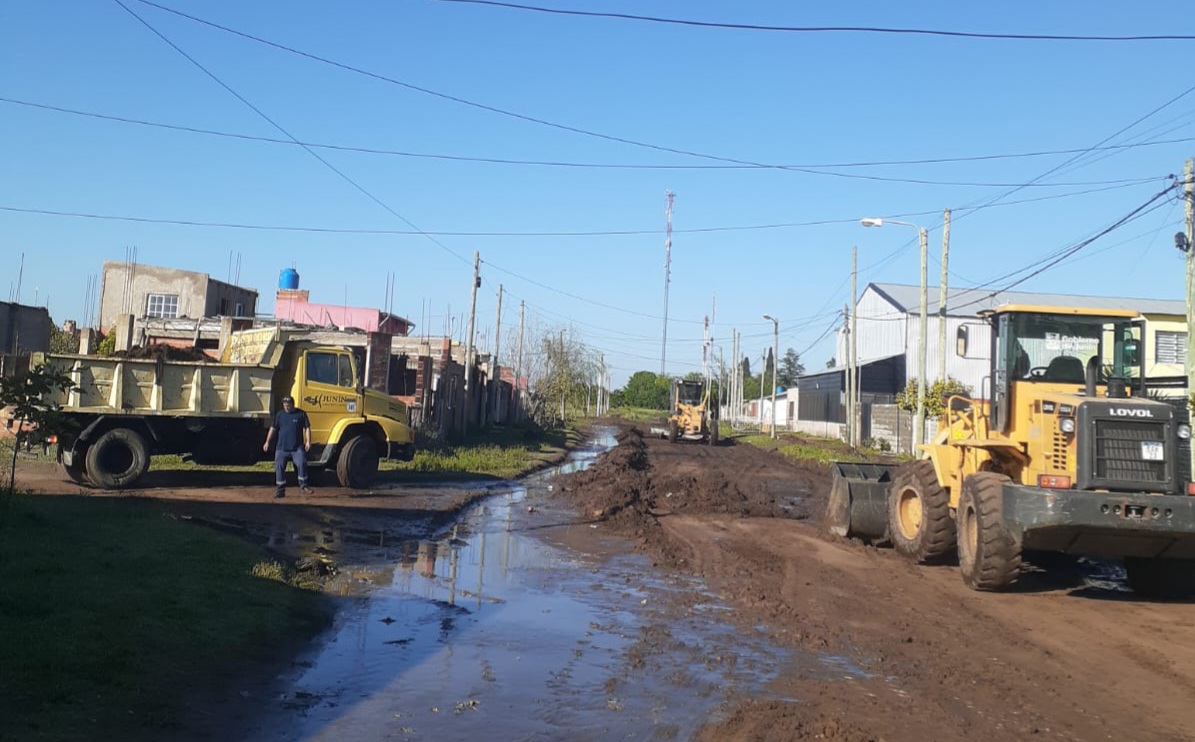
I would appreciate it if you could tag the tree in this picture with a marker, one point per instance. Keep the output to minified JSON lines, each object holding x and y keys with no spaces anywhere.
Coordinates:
{"x":935,"y":396}
{"x":643,"y":389}
{"x":62,"y":341}
{"x":561,"y":374}
{"x":27,"y":397}
{"x":746,"y":366}
{"x":790,"y":368}
{"x":831,"y":363}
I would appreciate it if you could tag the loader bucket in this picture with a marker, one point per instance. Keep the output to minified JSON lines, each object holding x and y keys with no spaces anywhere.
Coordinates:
{"x":858,"y":505}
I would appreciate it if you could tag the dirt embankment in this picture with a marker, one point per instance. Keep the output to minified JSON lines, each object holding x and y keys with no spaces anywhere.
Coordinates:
{"x":887,"y":650}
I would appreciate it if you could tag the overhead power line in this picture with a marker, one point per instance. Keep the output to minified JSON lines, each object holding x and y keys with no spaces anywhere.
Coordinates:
{"x":824,"y":29}
{"x":812,"y":168}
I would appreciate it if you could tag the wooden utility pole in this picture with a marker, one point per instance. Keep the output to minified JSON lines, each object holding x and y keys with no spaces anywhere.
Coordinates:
{"x":942,"y":297}
{"x":469,"y":347}
{"x":1189,"y":203}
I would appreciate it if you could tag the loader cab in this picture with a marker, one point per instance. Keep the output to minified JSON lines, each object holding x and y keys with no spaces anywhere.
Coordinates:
{"x":1058,"y":352}
{"x":688,"y":393}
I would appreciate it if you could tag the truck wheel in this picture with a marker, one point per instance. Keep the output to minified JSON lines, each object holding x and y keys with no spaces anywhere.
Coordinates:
{"x":1161,"y":579}
{"x":117,"y":459}
{"x":673,"y":431}
{"x":75,"y":470}
{"x":988,"y":557}
{"x":919,"y":519}
{"x":357,"y":465}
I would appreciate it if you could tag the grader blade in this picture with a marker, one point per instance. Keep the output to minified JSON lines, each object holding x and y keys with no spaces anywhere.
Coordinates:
{"x":858,"y":505}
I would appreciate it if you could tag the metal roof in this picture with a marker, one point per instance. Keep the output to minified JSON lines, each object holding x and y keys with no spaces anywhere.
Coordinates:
{"x":969,"y":302}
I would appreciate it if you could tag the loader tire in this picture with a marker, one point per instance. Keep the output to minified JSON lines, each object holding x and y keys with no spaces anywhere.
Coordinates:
{"x":1161,"y":579}
{"x":919,"y":521}
{"x":673,"y":431}
{"x":117,"y":459}
{"x":357,"y":465}
{"x":987,"y":555}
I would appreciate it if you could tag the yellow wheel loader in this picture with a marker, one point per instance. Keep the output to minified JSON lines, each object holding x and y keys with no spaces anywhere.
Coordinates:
{"x":1064,"y":453}
{"x":694,"y":413}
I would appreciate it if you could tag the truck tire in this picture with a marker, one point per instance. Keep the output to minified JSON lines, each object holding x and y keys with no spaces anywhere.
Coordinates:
{"x":919,"y":520}
{"x":117,"y":459}
{"x":1161,"y":579}
{"x":988,"y":557}
{"x":673,"y":431}
{"x":357,"y":465}
{"x":75,"y":471}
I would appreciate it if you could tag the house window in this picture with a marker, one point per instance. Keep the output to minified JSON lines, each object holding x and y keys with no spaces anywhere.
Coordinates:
{"x":240,"y":311}
{"x":1170,"y":347}
{"x":162,"y":305}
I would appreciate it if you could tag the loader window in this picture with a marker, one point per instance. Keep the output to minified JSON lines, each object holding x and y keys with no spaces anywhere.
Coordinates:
{"x":1058,"y":349}
{"x":688,"y":392}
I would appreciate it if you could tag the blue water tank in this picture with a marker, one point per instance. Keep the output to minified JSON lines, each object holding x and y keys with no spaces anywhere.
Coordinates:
{"x":289,"y":279}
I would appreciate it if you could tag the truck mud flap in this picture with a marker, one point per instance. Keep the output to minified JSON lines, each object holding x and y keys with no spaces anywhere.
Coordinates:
{"x":858,"y":506}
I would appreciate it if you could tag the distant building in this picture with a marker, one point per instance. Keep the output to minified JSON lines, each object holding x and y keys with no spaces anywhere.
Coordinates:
{"x":148,"y":291}
{"x":23,"y":329}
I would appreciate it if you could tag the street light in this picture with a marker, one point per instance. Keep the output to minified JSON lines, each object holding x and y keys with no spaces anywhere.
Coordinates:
{"x":775,"y":362}
{"x":919,"y":423}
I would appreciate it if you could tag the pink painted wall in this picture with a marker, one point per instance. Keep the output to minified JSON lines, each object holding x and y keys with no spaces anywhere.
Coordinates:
{"x":327,"y":314}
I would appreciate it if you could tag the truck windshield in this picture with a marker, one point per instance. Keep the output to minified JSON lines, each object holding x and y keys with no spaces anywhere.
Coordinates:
{"x":1052,"y":348}
{"x":689,"y":392}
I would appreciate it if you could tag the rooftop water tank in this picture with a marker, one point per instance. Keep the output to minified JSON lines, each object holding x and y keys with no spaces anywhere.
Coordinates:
{"x":289,"y":279}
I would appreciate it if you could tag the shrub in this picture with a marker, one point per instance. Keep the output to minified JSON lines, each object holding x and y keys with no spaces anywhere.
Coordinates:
{"x":935,"y":399}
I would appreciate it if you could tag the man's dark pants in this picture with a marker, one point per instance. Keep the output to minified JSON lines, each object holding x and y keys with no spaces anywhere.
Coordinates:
{"x":300,"y":458}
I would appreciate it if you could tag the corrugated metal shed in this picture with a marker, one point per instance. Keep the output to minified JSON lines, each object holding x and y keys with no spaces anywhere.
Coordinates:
{"x":969,"y":302}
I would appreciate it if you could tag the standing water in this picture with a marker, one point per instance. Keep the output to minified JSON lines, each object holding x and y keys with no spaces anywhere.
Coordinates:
{"x":496,"y":632}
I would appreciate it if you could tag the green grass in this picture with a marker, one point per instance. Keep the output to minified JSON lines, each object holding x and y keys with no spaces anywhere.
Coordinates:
{"x":503,"y":453}
{"x":639,"y":414}
{"x":111,"y":613}
{"x":821,"y":450}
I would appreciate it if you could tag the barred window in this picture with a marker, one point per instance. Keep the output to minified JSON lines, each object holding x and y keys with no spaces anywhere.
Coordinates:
{"x":162,"y":305}
{"x":1170,"y":347}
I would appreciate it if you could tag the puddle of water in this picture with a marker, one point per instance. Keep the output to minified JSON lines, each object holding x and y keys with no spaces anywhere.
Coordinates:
{"x":491,"y":632}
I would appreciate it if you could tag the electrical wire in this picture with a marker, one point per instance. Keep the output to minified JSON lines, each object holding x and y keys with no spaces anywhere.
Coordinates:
{"x":290,"y":136}
{"x":585,"y":165}
{"x":822,"y":29}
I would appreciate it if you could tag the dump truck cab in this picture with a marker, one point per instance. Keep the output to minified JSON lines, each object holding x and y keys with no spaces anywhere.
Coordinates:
{"x":1061,"y":451}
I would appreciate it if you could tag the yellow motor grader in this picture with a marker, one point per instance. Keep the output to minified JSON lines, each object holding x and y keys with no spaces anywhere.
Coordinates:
{"x":1064,"y":453}
{"x":693,"y":413}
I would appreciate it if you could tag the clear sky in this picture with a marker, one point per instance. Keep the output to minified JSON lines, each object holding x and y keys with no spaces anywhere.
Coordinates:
{"x":823,"y":102}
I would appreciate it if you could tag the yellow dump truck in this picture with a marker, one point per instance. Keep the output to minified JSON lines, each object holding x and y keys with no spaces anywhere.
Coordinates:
{"x":121,"y":411}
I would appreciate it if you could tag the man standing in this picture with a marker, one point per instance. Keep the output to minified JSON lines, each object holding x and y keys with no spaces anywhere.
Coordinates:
{"x":294,"y":439}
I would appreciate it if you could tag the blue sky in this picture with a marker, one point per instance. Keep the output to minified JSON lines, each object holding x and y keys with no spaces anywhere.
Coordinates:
{"x":829,"y":99}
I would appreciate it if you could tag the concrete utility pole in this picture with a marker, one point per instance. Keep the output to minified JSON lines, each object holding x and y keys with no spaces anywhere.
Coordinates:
{"x":516,"y":391}
{"x":775,"y":366}
{"x":469,"y":346}
{"x":1189,"y":203}
{"x":942,"y":296}
{"x":494,"y":368}
{"x":854,"y":364}
{"x":669,"y":197}
{"x":919,"y":431}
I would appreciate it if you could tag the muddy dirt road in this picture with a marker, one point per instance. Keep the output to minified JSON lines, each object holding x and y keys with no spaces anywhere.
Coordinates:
{"x":1071,"y":655}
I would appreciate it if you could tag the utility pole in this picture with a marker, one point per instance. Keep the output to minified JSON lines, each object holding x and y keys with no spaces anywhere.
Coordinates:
{"x":469,"y":346}
{"x":669,"y":196}
{"x":854,"y":351}
{"x":496,"y":377}
{"x":563,"y":377}
{"x":942,"y":297}
{"x":919,"y":423}
{"x":1189,"y":203}
{"x":517,"y":392}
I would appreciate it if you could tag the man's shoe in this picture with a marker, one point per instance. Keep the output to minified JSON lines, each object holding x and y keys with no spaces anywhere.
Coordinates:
{"x":280,"y":492}
{"x":305,"y":489}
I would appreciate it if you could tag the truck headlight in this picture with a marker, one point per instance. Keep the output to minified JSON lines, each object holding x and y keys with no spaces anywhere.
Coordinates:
{"x":1183,"y":431}
{"x":1067,"y":425}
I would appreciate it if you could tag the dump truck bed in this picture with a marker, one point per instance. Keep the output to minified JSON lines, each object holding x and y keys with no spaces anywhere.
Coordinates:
{"x":129,"y":386}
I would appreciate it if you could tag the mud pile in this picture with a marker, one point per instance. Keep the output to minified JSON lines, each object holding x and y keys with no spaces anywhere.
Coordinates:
{"x":164,"y":353}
